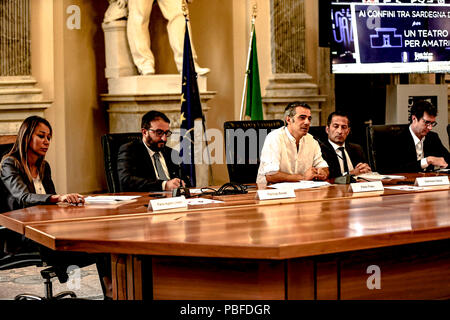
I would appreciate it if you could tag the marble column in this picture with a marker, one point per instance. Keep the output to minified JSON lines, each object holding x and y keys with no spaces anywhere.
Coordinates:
{"x":19,"y":96}
{"x":291,"y":79}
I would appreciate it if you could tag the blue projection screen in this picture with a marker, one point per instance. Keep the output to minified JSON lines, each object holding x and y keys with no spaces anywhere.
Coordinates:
{"x":390,"y":37}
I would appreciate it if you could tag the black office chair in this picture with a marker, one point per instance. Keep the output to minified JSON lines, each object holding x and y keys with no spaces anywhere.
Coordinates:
{"x":111,"y":143}
{"x":381,"y":146}
{"x":448,"y":132}
{"x":27,"y":259}
{"x":319,"y":133}
{"x":243,"y":143}
{"x":19,"y":252}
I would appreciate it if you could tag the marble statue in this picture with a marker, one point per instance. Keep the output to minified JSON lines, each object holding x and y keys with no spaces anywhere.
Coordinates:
{"x":138,"y":34}
{"x":117,"y":10}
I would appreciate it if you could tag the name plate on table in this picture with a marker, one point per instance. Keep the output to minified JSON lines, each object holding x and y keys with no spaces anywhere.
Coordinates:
{"x":276,"y":194}
{"x":432,"y":181}
{"x":168,"y":203}
{"x":367,"y":186}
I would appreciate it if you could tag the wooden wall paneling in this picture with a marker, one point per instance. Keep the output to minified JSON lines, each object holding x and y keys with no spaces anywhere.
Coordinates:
{"x":300,"y":280}
{"x":327,"y":278}
{"x":420,"y":271}
{"x":119,"y":276}
{"x":134,"y":277}
{"x":189,"y":278}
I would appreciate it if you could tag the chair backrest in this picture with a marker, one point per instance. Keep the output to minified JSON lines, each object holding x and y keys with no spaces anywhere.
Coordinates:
{"x":111,"y":143}
{"x":243,"y":143}
{"x":6,"y":143}
{"x":381,"y":145}
{"x":319,"y":133}
{"x":448,"y":132}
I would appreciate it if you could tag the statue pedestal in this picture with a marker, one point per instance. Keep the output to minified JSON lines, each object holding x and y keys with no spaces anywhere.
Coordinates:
{"x":284,"y":88}
{"x":134,"y":96}
{"x":154,"y":84}
{"x":129,"y":98}
{"x":119,"y":62}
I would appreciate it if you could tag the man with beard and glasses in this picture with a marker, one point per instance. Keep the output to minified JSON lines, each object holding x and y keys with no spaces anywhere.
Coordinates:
{"x":290,"y":153}
{"x":147,"y":165}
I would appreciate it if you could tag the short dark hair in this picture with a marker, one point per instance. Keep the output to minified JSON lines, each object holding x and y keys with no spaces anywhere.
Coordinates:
{"x":289,"y":111}
{"x":337,"y":114}
{"x":421,"y":106}
{"x":151,"y":116}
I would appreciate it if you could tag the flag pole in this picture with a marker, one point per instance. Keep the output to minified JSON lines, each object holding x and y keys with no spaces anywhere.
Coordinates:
{"x":184,"y":8}
{"x":244,"y":91}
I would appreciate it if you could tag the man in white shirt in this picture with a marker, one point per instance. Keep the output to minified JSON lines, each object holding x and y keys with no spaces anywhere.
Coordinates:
{"x":290,"y":153}
{"x":342,"y":157}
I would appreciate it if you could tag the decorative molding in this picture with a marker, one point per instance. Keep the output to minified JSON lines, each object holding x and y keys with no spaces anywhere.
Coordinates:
{"x":126,"y":111}
{"x":19,"y":99}
{"x":285,"y":88}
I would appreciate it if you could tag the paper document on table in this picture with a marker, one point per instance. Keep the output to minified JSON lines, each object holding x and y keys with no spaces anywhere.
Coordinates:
{"x":199,"y":201}
{"x":109,"y":199}
{"x":299,"y":185}
{"x":405,"y":188}
{"x":377,"y":176}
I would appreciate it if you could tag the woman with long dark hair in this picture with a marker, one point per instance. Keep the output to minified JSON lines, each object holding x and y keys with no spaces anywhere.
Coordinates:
{"x":25,"y":173}
{"x":27,"y":181}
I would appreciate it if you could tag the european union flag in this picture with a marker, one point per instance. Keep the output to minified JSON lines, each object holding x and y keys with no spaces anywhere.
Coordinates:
{"x":191,"y":109}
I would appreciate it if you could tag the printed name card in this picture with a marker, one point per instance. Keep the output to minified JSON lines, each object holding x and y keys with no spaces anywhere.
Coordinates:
{"x":367,"y":186}
{"x":432,"y":181}
{"x":168,"y":203}
{"x":276,"y":194}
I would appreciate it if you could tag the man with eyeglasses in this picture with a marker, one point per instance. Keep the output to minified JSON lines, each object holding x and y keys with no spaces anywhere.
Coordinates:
{"x":290,"y":153}
{"x":146,"y":165}
{"x":417,"y":147}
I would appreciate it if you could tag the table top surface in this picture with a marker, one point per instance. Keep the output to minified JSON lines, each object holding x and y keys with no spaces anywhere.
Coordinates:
{"x":318,"y":221}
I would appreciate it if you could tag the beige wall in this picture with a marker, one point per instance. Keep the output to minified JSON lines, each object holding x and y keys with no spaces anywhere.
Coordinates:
{"x":68,"y":65}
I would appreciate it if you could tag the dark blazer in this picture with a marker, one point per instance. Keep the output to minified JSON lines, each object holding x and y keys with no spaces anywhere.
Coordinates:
{"x":135,"y":168}
{"x":20,"y":192}
{"x":354,"y":151}
{"x":405,"y":155}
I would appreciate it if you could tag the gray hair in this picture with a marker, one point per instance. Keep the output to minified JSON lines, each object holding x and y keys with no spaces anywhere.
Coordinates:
{"x":290,"y":111}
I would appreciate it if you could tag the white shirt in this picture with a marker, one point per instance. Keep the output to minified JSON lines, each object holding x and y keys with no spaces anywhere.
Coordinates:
{"x":163,"y":163}
{"x":279,"y":153}
{"x":341,"y":157}
{"x":38,"y":186}
{"x":419,"y":149}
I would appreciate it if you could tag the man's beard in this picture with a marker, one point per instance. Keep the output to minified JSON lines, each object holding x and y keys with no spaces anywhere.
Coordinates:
{"x":154,"y":146}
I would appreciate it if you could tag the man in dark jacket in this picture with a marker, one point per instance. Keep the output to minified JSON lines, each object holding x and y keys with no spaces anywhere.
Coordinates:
{"x":147,"y":164}
{"x":342,"y":157}
{"x":417,"y":148}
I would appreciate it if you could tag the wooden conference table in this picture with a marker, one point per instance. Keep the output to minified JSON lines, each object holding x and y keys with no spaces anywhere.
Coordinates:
{"x":323,"y":244}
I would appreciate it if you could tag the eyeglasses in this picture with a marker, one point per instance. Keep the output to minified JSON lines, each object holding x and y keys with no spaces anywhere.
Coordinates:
{"x":429,"y":123}
{"x":160,"y":132}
